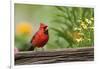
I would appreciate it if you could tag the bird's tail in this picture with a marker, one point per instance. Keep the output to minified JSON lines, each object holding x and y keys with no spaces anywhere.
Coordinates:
{"x":32,"y":47}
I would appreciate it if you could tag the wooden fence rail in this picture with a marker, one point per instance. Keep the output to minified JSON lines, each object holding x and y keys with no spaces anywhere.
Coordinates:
{"x":63,"y":55}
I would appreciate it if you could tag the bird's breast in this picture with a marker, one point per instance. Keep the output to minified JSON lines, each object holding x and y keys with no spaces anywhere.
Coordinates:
{"x":40,"y":39}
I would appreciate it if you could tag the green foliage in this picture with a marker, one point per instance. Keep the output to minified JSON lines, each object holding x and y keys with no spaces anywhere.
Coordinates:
{"x":74,"y":25}
{"x":69,"y":27}
{"x":21,"y":42}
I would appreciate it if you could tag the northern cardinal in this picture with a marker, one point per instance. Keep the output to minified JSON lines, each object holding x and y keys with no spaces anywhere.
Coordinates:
{"x":40,"y":38}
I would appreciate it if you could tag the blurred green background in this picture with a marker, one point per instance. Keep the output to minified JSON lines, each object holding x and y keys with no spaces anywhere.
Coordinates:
{"x":69,"y":27}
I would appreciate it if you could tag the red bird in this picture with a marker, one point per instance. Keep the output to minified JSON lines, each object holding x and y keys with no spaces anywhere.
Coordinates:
{"x":40,"y":38}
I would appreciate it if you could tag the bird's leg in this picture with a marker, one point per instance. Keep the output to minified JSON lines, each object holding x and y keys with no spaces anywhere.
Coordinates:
{"x":42,"y":49}
{"x":35,"y":49}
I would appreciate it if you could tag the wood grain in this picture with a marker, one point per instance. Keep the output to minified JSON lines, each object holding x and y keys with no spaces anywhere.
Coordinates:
{"x":54,"y":56}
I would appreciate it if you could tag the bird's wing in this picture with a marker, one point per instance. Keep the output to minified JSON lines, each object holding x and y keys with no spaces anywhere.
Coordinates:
{"x":33,"y":37}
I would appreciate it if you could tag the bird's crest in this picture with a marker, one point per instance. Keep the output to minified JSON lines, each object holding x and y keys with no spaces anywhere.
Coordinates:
{"x":43,"y":25}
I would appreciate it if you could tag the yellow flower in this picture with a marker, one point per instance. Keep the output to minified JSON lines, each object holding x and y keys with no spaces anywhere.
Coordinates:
{"x":78,"y":36}
{"x":79,"y":29}
{"x":89,"y":39}
{"x":24,"y":28}
{"x":88,"y":21}
{"x":92,"y":28}
{"x":79,"y":40}
{"x":92,"y":18}
{"x":83,"y":25}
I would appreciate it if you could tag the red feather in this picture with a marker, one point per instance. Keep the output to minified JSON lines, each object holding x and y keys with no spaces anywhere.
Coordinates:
{"x":41,"y":36}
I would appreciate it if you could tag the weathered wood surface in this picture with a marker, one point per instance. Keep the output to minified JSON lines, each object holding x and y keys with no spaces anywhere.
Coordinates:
{"x":63,"y":55}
